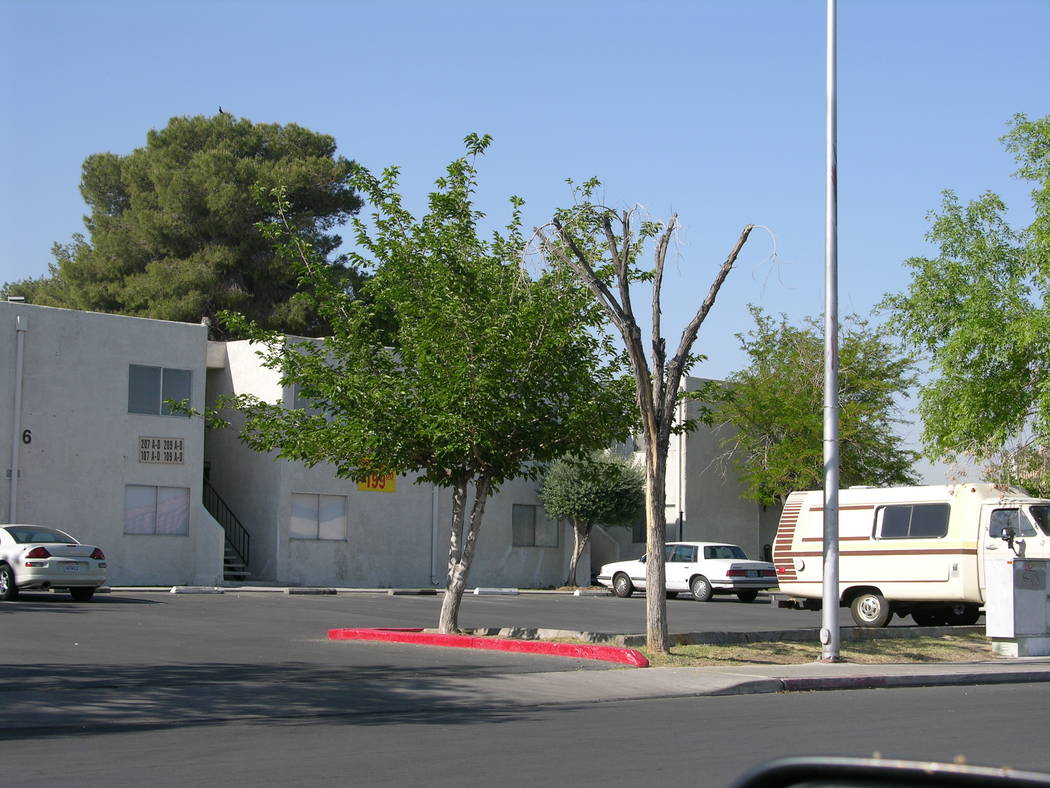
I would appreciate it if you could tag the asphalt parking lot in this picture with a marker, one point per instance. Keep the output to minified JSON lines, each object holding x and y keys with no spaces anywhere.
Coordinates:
{"x":142,"y":660}
{"x":243,"y":627}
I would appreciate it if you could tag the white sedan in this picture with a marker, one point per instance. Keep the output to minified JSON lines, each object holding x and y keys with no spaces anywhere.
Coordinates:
{"x":701,"y":568}
{"x":35,"y":557}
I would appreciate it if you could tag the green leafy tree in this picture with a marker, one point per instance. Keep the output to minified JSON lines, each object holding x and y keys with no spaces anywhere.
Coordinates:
{"x":979,"y":312}
{"x":601,"y":488}
{"x":172,"y":230}
{"x":602,"y":249}
{"x":457,"y":365}
{"x":775,"y":408}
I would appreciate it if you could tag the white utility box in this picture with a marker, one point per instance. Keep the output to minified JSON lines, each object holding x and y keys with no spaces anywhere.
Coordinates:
{"x":1017,"y":606}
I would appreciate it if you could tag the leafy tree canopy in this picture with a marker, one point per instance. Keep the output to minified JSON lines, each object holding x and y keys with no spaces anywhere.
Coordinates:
{"x":599,"y":488}
{"x":775,"y":408}
{"x":979,"y":311}
{"x":172,"y":230}
{"x":457,"y":366}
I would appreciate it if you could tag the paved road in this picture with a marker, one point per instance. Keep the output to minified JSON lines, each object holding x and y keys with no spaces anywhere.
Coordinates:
{"x":678,"y":741}
{"x":272,"y":627}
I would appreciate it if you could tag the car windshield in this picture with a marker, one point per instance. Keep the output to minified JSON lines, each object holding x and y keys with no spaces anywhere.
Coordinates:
{"x":29,"y":534}
{"x":1041,"y":515}
{"x":724,"y":551}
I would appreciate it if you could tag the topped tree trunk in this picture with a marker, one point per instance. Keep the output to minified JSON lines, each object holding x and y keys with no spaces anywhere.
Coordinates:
{"x":601,"y":247}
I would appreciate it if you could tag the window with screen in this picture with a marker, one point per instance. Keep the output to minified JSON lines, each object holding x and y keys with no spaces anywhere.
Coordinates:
{"x":912,"y":521}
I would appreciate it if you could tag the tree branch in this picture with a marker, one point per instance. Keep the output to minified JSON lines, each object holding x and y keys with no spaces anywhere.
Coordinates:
{"x":676,"y":367}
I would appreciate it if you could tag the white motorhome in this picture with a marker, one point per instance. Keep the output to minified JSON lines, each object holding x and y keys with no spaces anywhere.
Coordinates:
{"x":916,"y":551}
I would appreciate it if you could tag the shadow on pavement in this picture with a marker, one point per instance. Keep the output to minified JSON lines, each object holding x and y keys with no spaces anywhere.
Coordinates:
{"x":92,"y":699}
{"x":47,"y":601}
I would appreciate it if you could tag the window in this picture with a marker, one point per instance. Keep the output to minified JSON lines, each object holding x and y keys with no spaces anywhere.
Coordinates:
{"x":164,"y":511}
{"x":1041,"y":514}
{"x":912,"y":521}
{"x":531,"y":528}
{"x":1001,"y":518}
{"x":724,"y":551}
{"x":27,"y":534}
{"x":318,"y":517}
{"x":149,"y":387}
{"x":680,"y":554}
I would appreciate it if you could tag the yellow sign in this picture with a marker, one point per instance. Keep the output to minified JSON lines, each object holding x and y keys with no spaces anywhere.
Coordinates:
{"x":373,"y":483}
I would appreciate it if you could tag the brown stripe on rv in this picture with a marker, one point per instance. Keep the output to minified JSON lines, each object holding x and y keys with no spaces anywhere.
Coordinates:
{"x":884,"y":581}
{"x":944,"y":551}
{"x":857,"y":507}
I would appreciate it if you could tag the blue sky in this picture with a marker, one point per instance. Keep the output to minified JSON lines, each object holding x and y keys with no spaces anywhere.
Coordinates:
{"x":713,"y":110}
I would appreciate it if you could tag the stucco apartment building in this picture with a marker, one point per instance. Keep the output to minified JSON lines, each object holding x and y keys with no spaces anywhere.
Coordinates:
{"x":93,"y":450}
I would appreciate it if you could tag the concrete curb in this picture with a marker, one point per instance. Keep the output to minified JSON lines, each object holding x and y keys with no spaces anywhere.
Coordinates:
{"x":813,"y":684}
{"x":196,"y":590}
{"x":625,"y":656}
{"x":311,"y":591}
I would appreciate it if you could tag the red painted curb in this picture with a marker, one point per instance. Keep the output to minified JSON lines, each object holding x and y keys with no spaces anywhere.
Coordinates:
{"x":626,"y":656}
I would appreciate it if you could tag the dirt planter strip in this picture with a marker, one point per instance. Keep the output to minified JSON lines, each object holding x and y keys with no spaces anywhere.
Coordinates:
{"x":625,"y":656}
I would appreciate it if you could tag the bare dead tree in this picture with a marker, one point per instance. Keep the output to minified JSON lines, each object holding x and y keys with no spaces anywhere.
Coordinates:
{"x":601,"y":247}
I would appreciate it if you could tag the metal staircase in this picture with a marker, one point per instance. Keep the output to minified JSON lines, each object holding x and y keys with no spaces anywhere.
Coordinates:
{"x":238,"y":541}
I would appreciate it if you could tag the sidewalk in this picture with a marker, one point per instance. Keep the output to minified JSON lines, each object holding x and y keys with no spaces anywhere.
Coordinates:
{"x":637,"y":684}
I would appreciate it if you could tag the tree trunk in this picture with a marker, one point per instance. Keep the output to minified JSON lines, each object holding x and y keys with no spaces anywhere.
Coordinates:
{"x":448,"y":622}
{"x":455,"y":537}
{"x":580,"y":534}
{"x":656,"y":636}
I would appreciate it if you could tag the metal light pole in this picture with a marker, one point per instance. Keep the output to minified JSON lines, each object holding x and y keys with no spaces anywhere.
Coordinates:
{"x":829,"y":632}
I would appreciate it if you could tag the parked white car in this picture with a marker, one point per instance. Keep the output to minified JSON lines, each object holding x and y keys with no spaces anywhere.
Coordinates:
{"x":701,"y":568}
{"x":35,"y":557}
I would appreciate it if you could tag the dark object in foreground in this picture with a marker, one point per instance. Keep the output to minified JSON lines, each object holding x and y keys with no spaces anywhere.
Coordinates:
{"x":818,"y":772}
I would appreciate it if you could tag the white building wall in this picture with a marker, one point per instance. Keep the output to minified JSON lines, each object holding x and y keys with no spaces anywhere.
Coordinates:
{"x":83,"y":444}
{"x":393,"y":539}
{"x":83,"y":452}
{"x":703,"y":495}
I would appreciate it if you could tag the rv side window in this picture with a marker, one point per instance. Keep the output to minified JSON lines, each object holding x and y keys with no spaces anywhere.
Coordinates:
{"x":1001,"y":518}
{"x":912,"y":521}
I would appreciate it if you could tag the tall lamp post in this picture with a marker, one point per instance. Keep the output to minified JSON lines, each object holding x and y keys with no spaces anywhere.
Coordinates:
{"x":829,"y":632}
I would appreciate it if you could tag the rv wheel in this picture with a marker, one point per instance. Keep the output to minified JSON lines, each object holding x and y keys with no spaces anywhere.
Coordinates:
{"x":871,"y":609}
{"x":929,"y":617}
{"x":963,"y":615}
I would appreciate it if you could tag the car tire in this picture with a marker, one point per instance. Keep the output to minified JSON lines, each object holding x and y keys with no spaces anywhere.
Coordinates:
{"x":871,"y":609}
{"x":963,"y":615}
{"x":8,"y":587}
{"x":622,"y":585}
{"x":82,"y":594}
{"x":749,"y":595}
{"x":671,"y":594}
{"x":701,"y":589}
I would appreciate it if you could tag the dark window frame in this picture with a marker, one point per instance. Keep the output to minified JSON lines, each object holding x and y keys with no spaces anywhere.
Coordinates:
{"x":525,"y":535}
{"x":912,"y":527}
{"x":168,"y":386}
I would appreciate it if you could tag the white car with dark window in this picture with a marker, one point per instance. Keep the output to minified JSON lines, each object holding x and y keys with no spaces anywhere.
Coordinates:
{"x":700,"y":568}
{"x":38,"y":558}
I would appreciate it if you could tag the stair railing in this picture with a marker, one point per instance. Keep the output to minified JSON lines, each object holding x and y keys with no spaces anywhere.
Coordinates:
{"x":237,"y":536}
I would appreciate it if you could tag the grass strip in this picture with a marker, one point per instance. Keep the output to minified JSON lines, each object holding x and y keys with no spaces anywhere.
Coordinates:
{"x":949,"y":648}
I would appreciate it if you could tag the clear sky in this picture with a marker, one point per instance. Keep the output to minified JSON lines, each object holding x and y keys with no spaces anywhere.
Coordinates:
{"x":711,"y":109}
